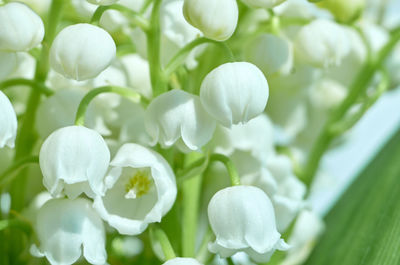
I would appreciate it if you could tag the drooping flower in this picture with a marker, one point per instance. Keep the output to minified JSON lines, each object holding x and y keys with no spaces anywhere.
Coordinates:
{"x":21,"y":28}
{"x":82,"y":51}
{"x":8,"y":122}
{"x":66,"y":229}
{"x":177,"y":116}
{"x":216,"y":19}
{"x":243,"y":219}
{"x":263,"y":3}
{"x":234,"y":93}
{"x":73,"y":160}
{"x":182,"y":261}
{"x":141,"y":189}
{"x":322,"y":43}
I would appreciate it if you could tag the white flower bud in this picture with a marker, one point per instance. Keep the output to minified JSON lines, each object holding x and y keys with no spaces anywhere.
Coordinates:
{"x":322,"y":43}
{"x":243,"y":219}
{"x":102,"y":2}
{"x":234,"y":93}
{"x":179,"y":116}
{"x":141,"y":189}
{"x":182,"y":261}
{"x":263,"y":3}
{"x":66,"y":228}
{"x":216,"y":19}
{"x":82,"y":51}
{"x":8,"y":122}
{"x":8,"y":63}
{"x":74,"y":159}
{"x":271,"y":53}
{"x":21,"y":29}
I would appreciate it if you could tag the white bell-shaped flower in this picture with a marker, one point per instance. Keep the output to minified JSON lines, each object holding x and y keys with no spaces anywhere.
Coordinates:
{"x":234,"y":93}
{"x":8,"y":122}
{"x":141,"y":189}
{"x":102,"y":2}
{"x":263,"y":3}
{"x":243,"y":219}
{"x":272,"y":54}
{"x":8,"y":63}
{"x":82,"y":51}
{"x":74,"y":159}
{"x":179,"y":116}
{"x":182,"y":261}
{"x":66,"y":228}
{"x":322,"y":43}
{"x":216,"y":19}
{"x":21,"y":28}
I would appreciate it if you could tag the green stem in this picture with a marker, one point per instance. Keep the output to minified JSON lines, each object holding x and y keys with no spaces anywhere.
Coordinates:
{"x":235,"y":179}
{"x":358,"y":87}
{"x":159,"y":235}
{"x":181,"y":55}
{"x":135,"y":17}
{"x":26,"y":82}
{"x":158,"y":80}
{"x":15,"y":167}
{"x":84,"y":104}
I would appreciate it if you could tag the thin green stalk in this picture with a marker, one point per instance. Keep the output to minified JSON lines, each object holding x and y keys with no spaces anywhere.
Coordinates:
{"x":235,"y":179}
{"x":358,"y":87}
{"x":134,"y":16}
{"x":26,"y":82}
{"x":190,"y":210}
{"x":158,"y":80}
{"x":84,"y":104}
{"x":181,"y":55}
{"x":157,"y":234}
{"x":7,"y":174}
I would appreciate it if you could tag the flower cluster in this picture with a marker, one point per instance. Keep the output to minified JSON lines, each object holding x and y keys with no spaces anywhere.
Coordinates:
{"x":194,"y":121}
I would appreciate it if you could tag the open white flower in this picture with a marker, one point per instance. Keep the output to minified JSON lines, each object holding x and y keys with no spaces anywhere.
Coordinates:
{"x":8,"y":122}
{"x":263,"y":3}
{"x":243,"y":219}
{"x":82,"y":51}
{"x":216,"y":19}
{"x":234,"y":93}
{"x":179,"y":116}
{"x":74,"y":159}
{"x":21,"y":28}
{"x":322,"y":43}
{"x":141,"y":190}
{"x":182,"y":261}
{"x":66,"y":228}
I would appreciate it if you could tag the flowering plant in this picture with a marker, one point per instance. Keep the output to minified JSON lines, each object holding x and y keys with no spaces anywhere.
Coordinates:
{"x":178,"y":131}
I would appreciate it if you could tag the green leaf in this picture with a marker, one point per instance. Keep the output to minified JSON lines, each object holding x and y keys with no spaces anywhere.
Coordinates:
{"x":364,"y":226}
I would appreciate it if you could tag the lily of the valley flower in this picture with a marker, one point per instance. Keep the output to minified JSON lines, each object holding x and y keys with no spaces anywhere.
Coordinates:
{"x":177,"y":116}
{"x":141,"y":189}
{"x":322,"y":43}
{"x":82,"y":51}
{"x":21,"y":28}
{"x":243,"y":219}
{"x":263,"y":3}
{"x":182,"y":261}
{"x":66,"y":228}
{"x":8,"y":63}
{"x":8,"y":122}
{"x":216,"y":19}
{"x":73,"y":160}
{"x":234,"y":93}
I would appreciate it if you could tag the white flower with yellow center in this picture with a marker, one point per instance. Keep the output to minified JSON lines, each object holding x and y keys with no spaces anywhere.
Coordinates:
{"x":141,"y":189}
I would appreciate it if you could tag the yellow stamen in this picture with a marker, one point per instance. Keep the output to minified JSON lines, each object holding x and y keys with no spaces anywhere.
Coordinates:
{"x":138,"y":185}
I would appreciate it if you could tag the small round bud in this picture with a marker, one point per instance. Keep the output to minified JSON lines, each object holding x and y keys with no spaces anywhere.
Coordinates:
{"x":234,"y":93}
{"x":216,"y":19}
{"x":82,"y":51}
{"x":21,"y":29}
